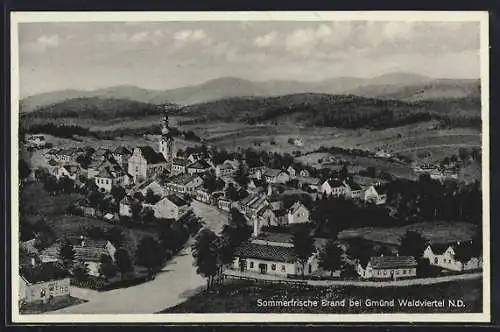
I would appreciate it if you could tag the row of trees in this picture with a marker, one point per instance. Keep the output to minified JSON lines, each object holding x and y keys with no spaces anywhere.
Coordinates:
{"x":427,"y":199}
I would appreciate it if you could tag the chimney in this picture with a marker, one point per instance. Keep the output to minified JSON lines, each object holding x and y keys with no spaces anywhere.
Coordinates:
{"x":269,"y":190}
{"x":33,"y":261}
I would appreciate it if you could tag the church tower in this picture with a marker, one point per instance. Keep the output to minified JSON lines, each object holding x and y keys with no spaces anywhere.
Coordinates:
{"x":166,"y":143}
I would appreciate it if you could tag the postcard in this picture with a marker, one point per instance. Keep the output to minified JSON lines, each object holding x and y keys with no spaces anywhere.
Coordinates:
{"x":250,"y":167}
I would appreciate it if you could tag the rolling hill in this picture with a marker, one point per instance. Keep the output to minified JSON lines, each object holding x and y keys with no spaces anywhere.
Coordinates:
{"x":400,"y":86}
{"x":344,"y":111}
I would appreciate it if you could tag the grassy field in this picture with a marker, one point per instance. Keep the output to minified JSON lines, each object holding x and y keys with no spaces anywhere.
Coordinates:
{"x":244,"y":296}
{"x":435,"y":232}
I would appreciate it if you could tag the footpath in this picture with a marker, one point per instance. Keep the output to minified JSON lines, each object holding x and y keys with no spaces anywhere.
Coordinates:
{"x":231,"y":274}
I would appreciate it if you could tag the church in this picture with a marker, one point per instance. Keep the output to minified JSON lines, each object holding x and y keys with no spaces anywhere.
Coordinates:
{"x":146,"y":163}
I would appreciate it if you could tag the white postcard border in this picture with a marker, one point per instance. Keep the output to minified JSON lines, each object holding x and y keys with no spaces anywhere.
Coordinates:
{"x":439,"y":16}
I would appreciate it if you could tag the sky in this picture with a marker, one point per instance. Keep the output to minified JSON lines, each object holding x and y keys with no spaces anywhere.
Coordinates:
{"x":165,"y":55}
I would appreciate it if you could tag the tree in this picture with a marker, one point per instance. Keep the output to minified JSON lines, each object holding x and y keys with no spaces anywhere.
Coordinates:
{"x":148,"y":215}
{"x":115,"y":236}
{"x":24,"y":169}
{"x":303,"y":245}
{"x":205,"y":252}
{"x":66,"y":184}
{"x":107,"y":268}
{"x":412,"y":244}
{"x":237,"y":229}
{"x":123,"y":262}
{"x":67,"y":254}
{"x":118,"y":193}
{"x":80,"y":270}
{"x":463,"y":153}
{"x":359,"y":249}
{"x":95,"y":198}
{"x":331,"y":257}
{"x":150,"y":254}
{"x":135,"y":210}
{"x":241,"y":176}
{"x":211,"y":183}
{"x":51,"y":185}
{"x":232,"y":192}
{"x":150,"y":197}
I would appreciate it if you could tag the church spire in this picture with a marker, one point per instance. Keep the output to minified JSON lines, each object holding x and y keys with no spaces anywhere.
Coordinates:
{"x":165,"y":124}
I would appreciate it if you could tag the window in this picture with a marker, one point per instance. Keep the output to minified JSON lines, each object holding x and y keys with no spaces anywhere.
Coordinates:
{"x":251,"y":265}
{"x":283,"y":268}
{"x":273,"y":267}
{"x":397,"y":272}
{"x":436,"y":260}
{"x":404,"y":272}
{"x":385,"y":272}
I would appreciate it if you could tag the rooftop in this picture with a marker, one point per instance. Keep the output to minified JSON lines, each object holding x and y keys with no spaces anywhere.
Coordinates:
{"x":389,"y":262}
{"x":200,"y":164}
{"x":43,"y":272}
{"x":122,"y":150}
{"x":266,"y":252}
{"x":183,"y":179}
{"x":177,"y":200}
{"x":151,"y":156}
{"x":180,"y":161}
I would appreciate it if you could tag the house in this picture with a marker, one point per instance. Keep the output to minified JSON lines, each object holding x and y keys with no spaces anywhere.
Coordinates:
{"x":199,"y":167}
{"x":257,"y":172}
{"x":252,"y":204}
{"x":86,"y":209}
{"x":195,"y":156}
{"x":179,"y":166}
{"x":203,"y":196}
{"x":37,"y":141}
{"x":382,"y":154}
{"x":69,"y":171}
{"x":169,"y":207}
{"x":298,"y":213}
{"x":88,"y":251}
{"x":224,"y":204}
{"x":388,"y":267}
{"x":145,"y":163}
{"x":371,"y":195}
{"x":304,"y":173}
{"x":354,"y":190}
{"x":227,"y":168}
{"x":125,"y":208}
{"x":276,"y":176}
{"x":444,"y":256}
{"x":298,"y":141}
{"x":62,"y":156}
{"x":334,"y":187}
{"x":251,"y":187}
{"x":267,"y":217}
{"x":184,"y":184}
{"x":121,"y":154}
{"x":111,"y":174}
{"x":42,"y":282}
{"x":154,"y":185}
{"x":291,"y":171}
{"x":271,"y":258}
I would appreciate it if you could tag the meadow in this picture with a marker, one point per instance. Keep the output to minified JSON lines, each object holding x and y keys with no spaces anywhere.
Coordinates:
{"x":243,"y":297}
{"x":435,"y":232}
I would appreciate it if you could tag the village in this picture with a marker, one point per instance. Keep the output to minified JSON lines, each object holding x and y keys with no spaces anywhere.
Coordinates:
{"x":282,"y":219}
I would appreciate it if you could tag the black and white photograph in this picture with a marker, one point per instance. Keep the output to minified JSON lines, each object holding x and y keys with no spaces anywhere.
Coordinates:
{"x":296,"y":166}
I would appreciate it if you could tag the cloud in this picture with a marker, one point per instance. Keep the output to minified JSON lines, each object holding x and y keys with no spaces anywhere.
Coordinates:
{"x":43,"y":43}
{"x":186,"y":37}
{"x":305,"y":41}
{"x":265,"y":40}
{"x":112,"y":37}
{"x":147,"y":36}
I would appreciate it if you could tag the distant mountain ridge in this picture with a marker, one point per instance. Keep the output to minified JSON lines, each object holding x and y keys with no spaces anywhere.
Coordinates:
{"x":400,"y":86}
